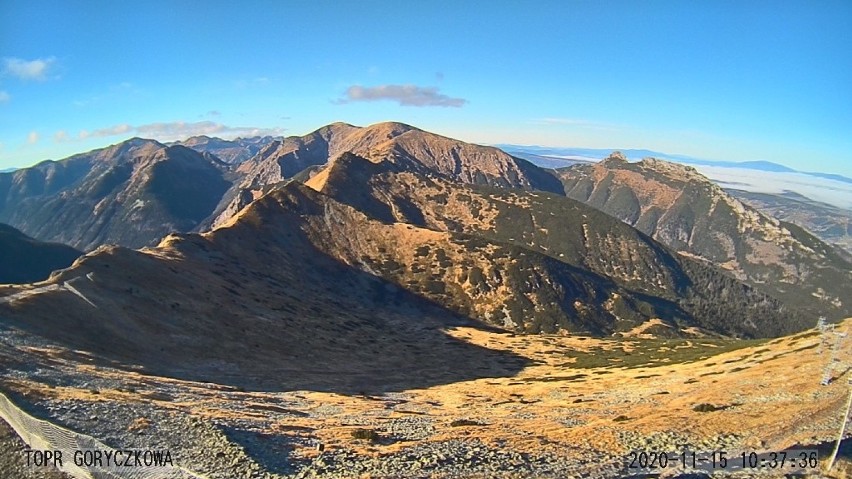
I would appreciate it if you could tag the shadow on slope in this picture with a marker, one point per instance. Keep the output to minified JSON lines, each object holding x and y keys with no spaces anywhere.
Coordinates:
{"x":633,"y":276}
{"x":26,"y":260}
{"x":263,"y":312}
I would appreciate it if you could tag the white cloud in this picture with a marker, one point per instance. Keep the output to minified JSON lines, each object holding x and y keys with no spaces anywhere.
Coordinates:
{"x":405,"y":95}
{"x":4,"y":96}
{"x":28,"y":69}
{"x":111,"y":131}
{"x":60,"y":136}
{"x":32,"y":137}
{"x":820,"y":189}
{"x":178,"y":130}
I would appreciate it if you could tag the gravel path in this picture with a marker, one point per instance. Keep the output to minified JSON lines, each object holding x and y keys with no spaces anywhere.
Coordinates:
{"x":240,"y":448}
{"x":457,"y":459}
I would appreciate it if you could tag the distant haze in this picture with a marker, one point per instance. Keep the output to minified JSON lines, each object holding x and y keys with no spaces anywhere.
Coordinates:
{"x":755,"y":176}
{"x":820,"y":189}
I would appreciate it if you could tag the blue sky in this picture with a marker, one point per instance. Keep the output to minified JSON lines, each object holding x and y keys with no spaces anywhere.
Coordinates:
{"x":727,"y":80}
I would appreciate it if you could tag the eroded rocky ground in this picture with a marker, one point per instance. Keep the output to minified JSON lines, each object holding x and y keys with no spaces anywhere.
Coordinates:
{"x":576,"y":411}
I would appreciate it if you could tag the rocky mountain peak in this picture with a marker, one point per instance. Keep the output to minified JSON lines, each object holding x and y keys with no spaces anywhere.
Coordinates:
{"x":327,"y":132}
{"x":403,"y":144}
{"x":347,"y":167}
{"x":685,"y":210}
{"x":615,"y":159}
{"x":128,"y":150}
{"x":673,"y":170}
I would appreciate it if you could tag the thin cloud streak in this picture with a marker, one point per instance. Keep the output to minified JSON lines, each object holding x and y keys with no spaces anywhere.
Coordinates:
{"x":178,"y":130}
{"x":404,"y":95}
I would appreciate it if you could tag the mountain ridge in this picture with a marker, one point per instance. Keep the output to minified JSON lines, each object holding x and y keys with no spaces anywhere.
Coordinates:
{"x":488,"y":189}
{"x":398,"y":196}
{"x":398,"y":142}
{"x":636,"y":154}
{"x":401,"y":142}
{"x":130,"y":193}
{"x":685,"y":210}
{"x":232,"y":152}
{"x":828,"y":222}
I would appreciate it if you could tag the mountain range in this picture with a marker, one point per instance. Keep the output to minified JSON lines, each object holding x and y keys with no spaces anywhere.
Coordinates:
{"x":229,"y":151}
{"x":418,"y":150}
{"x":681,"y":208}
{"x":389,"y":293}
{"x":310,"y":280}
{"x":554,"y":155}
{"x":468,"y":228}
{"x":132,"y":194}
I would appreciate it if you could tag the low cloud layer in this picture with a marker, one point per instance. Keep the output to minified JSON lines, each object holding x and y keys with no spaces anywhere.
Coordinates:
{"x":178,"y":130}
{"x":28,"y":69}
{"x":405,"y":95}
{"x":4,"y":96}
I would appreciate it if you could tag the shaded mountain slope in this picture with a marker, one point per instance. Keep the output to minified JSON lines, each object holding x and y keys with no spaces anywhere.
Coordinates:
{"x":686,"y":211}
{"x":25,"y":260}
{"x":637,"y":278}
{"x":501,"y":284}
{"x":131,"y":194}
{"x":255,"y":305}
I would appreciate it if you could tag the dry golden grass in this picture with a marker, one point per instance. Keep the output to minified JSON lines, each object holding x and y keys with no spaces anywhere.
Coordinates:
{"x":768,"y":393}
